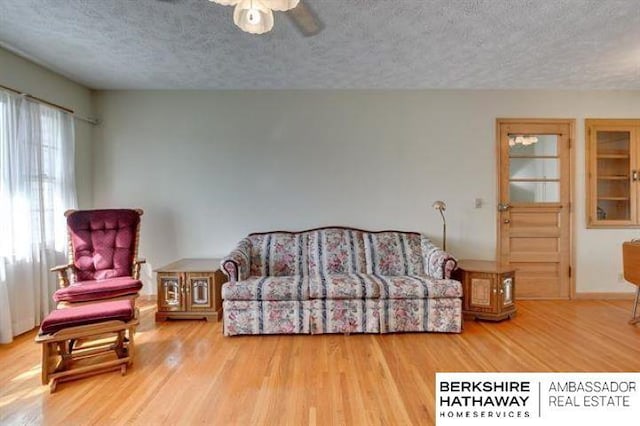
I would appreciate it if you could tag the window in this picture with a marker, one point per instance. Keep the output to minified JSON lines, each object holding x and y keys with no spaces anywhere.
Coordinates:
{"x":36,"y":176}
{"x":36,"y":187}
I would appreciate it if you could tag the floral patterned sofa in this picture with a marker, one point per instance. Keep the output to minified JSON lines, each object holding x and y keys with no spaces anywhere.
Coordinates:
{"x":339,"y":280}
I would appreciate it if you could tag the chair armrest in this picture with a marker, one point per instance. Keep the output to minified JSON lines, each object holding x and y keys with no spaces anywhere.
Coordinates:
{"x":63,"y":274}
{"x":136,"y":268}
{"x":236,"y":265}
{"x":438,"y":263}
{"x":61,"y":267}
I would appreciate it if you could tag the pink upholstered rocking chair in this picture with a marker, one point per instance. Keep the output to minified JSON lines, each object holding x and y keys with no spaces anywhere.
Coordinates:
{"x":103,"y":264}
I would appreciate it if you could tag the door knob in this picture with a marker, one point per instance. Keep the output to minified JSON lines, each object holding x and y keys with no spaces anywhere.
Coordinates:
{"x":507,"y":221}
{"x":503,"y":207}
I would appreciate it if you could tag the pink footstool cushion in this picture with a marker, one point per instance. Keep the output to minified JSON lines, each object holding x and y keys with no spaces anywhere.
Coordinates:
{"x":119,"y":310}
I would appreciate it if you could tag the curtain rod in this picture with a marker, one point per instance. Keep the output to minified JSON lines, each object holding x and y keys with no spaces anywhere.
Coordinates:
{"x":51,"y":104}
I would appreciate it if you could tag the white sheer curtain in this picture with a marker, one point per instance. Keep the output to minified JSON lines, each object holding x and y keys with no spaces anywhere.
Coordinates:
{"x":37,"y":185}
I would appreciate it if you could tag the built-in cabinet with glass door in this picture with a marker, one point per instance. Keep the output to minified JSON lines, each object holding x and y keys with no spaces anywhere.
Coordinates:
{"x":190,"y":288}
{"x":613,"y":173}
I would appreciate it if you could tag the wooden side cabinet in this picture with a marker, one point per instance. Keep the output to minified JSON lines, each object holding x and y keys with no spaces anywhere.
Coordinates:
{"x":488,"y":290}
{"x":190,"y":289}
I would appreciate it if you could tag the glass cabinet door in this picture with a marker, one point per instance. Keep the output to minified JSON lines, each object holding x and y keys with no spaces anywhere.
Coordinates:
{"x":612,"y":174}
{"x":199,"y":293}
{"x":613,"y":168}
{"x":507,"y":291}
{"x":170,"y":293}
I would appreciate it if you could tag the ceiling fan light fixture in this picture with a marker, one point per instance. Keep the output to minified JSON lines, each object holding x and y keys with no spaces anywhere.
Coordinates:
{"x":256,"y":16}
{"x":252,"y":16}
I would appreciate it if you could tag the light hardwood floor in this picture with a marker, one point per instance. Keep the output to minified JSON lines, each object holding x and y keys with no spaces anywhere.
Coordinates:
{"x":186,"y":372}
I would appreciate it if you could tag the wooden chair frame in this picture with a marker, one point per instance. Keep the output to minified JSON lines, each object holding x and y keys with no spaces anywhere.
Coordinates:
{"x":635,"y":318}
{"x":631,"y":265}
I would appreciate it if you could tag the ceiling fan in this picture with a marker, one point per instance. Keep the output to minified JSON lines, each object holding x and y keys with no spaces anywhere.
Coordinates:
{"x":256,"y":16}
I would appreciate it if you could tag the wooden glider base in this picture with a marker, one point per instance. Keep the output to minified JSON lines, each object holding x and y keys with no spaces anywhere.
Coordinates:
{"x":81,"y":351}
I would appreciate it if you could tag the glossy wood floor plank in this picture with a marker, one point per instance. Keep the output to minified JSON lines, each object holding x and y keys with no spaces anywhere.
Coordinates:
{"x":186,"y":372}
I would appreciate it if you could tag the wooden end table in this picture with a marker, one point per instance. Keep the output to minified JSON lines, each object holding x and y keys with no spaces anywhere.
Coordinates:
{"x":488,"y":290}
{"x":190,"y":289}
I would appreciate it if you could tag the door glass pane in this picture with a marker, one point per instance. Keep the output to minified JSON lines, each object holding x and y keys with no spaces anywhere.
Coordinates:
{"x":613,"y":165}
{"x":534,"y":168}
{"x":536,"y":145}
{"x":534,"y":192}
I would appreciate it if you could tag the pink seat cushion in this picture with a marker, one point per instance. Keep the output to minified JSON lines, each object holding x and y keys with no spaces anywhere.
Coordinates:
{"x":119,"y":310}
{"x":86,"y":291}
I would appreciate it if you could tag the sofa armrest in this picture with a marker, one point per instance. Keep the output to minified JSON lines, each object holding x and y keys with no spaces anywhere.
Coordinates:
{"x":438,"y":263}
{"x":236,"y":265}
{"x":63,"y":274}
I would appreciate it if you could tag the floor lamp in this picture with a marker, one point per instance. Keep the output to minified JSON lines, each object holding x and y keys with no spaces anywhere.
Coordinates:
{"x":441,"y":206}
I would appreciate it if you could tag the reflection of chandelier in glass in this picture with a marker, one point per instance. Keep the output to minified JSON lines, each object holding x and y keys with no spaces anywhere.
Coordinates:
{"x":522,"y":140}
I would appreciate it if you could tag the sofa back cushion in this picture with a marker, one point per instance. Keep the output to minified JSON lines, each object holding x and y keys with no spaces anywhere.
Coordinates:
{"x":336,"y":251}
{"x":393,"y":253}
{"x":279,"y":254}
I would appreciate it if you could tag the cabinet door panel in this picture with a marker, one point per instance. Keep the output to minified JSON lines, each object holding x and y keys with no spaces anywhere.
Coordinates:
{"x":170,"y":293}
{"x":199,"y":288}
{"x":507,"y":291}
{"x":482,"y":296}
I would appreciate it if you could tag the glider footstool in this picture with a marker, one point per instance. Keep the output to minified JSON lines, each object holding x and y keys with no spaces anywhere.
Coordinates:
{"x":76,"y":342}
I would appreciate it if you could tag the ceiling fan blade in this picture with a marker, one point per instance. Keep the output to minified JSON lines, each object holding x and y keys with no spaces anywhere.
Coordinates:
{"x":305,"y":19}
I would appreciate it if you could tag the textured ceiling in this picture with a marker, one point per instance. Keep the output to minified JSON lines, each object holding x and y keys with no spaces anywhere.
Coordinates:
{"x":193,"y":44}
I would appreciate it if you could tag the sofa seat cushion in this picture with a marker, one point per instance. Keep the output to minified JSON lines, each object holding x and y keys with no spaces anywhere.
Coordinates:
{"x":417,"y":287}
{"x":268,"y":288}
{"x":118,"y":310}
{"x":344,"y":286}
{"x":85,"y":291}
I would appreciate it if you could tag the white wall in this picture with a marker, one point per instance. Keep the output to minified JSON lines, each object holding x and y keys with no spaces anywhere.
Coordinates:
{"x":21,"y":74}
{"x":210,"y":167}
